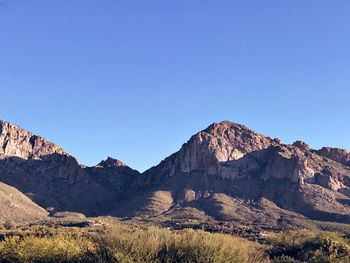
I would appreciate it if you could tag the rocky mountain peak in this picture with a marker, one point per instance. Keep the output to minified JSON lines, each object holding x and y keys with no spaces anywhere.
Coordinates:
{"x":221,"y":142}
{"x":339,"y":155}
{"x":212,"y":148}
{"x":111,"y":162}
{"x":220,"y":127}
{"x":17,"y":142}
{"x":302,"y":145}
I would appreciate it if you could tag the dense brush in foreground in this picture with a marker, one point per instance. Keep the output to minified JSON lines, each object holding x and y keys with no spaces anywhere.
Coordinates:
{"x":120,"y":242}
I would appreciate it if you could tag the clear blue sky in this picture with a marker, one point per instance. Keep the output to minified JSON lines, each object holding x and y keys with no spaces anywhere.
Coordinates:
{"x":135,"y":79}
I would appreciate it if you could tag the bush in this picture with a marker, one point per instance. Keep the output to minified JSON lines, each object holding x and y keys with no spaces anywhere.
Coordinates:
{"x":126,"y":243}
{"x":309,"y":246}
{"x":45,"y":250}
{"x":123,"y":243}
{"x":113,"y":241}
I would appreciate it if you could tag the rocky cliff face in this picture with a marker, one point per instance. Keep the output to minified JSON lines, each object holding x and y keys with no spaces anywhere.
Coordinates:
{"x":232,"y":151}
{"x":210,"y":151}
{"x":17,"y":142}
{"x":220,"y":143}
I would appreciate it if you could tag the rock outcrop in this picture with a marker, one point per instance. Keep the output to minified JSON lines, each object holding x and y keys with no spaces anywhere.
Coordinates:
{"x":111,"y":162}
{"x":210,"y":151}
{"x":302,"y":145}
{"x":17,"y":142}
{"x":339,"y":155}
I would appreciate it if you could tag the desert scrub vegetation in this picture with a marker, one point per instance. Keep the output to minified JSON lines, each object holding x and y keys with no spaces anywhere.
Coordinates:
{"x":47,"y":249}
{"x":121,"y":242}
{"x":307,"y":246}
{"x":114,"y":241}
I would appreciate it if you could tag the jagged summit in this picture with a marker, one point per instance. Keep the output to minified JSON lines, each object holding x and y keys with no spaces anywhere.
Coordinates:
{"x":111,"y":162}
{"x":302,"y":145}
{"x":214,"y":146}
{"x":118,"y":168}
{"x":225,"y":124}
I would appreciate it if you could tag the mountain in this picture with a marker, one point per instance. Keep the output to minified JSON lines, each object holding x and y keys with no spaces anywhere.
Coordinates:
{"x":51,"y":177}
{"x":228,"y":172}
{"x":225,"y":173}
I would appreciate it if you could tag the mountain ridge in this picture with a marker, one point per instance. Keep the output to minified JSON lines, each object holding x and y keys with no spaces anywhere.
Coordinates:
{"x":226,"y":172}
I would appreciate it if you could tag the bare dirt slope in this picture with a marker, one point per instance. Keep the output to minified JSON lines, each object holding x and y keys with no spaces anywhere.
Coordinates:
{"x":15,"y":206}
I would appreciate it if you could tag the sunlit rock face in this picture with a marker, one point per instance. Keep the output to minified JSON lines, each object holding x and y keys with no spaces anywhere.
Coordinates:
{"x":213,"y":149}
{"x":232,"y":151}
{"x":220,"y":143}
{"x":17,"y":142}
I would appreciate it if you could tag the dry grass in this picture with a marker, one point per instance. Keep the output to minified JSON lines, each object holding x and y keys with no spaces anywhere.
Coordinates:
{"x":120,"y":242}
{"x":149,"y":244}
{"x":308,"y":246}
{"x":133,"y":243}
{"x":47,"y":249}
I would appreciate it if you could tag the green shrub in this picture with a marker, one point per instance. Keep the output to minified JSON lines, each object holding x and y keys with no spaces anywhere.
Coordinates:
{"x":310,"y":246}
{"x":8,"y":225}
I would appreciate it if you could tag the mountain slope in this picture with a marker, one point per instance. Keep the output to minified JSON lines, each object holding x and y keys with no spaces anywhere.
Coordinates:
{"x":15,"y":206}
